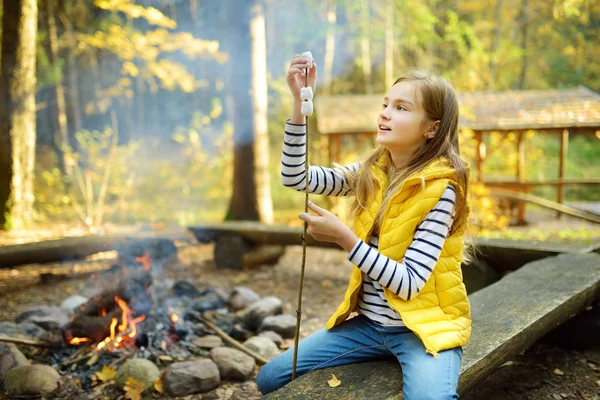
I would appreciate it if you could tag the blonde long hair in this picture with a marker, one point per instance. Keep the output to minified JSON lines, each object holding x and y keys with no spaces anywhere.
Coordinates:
{"x":440,"y":104}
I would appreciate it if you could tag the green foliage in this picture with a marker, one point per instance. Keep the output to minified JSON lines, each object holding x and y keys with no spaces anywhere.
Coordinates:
{"x":143,"y":55}
{"x":97,"y":181}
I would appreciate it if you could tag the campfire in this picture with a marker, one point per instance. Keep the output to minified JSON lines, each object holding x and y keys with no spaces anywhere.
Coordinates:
{"x":140,"y":316}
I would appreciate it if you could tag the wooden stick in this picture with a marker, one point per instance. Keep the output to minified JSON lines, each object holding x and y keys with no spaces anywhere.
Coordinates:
{"x":75,"y":360}
{"x":305,"y":225}
{"x":28,"y":342}
{"x":229,"y":339}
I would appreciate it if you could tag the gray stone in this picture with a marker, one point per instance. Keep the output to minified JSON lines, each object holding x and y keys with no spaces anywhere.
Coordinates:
{"x":34,"y":379}
{"x":143,"y":371}
{"x":257,"y":311}
{"x":189,"y":377}
{"x":44,"y":316}
{"x":73,"y":302}
{"x":274,"y":336}
{"x":10,"y":357}
{"x":26,"y":330}
{"x":285,"y":325}
{"x":241,"y":297}
{"x":208,"y":342}
{"x":262,"y":346}
{"x":232,"y":363}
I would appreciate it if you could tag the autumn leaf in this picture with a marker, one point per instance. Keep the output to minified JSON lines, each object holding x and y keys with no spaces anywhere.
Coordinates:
{"x":158,"y":385}
{"x":334,"y":382}
{"x":106,"y":374}
{"x":133,"y":389}
{"x":558,"y":372}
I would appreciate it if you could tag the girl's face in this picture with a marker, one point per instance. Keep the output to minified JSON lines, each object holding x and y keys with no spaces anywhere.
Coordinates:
{"x":402,"y":124}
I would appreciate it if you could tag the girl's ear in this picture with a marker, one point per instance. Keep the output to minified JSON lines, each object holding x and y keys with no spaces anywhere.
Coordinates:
{"x":432,"y":130}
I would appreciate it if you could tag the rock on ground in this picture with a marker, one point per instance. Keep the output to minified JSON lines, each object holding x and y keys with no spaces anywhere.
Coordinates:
{"x":10,"y":357}
{"x":241,"y":297}
{"x":143,"y":371}
{"x":208,"y":342}
{"x":44,"y":316}
{"x":285,"y":325}
{"x":255,"y":314}
{"x":34,"y":379}
{"x":232,"y":363}
{"x":189,"y":377}
{"x":262,"y":346}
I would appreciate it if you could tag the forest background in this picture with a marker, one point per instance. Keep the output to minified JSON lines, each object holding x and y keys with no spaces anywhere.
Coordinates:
{"x":171,"y":112}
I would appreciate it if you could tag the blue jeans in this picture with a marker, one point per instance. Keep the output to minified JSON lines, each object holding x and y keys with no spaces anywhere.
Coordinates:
{"x":359,"y":339}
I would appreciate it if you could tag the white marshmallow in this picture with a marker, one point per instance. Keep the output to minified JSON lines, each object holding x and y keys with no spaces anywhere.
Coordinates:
{"x":306,"y":93}
{"x":307,"y":108}
{"x":307,"y":55}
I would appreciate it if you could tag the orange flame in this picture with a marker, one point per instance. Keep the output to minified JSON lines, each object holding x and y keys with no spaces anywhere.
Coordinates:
{"x":79,"y":340}
{"x":115,"y":328}
{"x":174,"y":318}
{"x":145,"y":261}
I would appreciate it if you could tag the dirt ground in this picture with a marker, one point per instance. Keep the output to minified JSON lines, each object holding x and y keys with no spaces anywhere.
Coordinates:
{"x":542,"y":372}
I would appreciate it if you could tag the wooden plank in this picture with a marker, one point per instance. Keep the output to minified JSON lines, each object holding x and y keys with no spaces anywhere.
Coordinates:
{"x":508,"y":316}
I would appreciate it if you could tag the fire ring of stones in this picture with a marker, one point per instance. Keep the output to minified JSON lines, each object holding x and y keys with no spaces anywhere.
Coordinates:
{"x":141,"y":334}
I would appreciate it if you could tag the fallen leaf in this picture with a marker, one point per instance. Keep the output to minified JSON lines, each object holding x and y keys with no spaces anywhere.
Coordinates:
{"x":558,"y":372}
{"x":106,"y":374}
{"x":598,"y":383}
{"x":158,"y":385}
{"x":334,"y":382}
{"x":133,"y":389}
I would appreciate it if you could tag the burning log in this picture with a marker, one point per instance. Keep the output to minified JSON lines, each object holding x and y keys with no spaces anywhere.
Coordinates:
{"x":95,"y":328}
{"x":130,"y":288}
{"x":108,"y":315}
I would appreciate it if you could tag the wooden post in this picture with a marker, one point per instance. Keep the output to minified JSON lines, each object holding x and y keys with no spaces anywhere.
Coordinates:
{"x":564,"y":144}
{"x":521,"y":173}
{"x":521,"y":156}
{"x":479,"y":154}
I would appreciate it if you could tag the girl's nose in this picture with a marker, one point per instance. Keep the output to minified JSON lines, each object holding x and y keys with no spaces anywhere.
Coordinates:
{"x":384,"y":113}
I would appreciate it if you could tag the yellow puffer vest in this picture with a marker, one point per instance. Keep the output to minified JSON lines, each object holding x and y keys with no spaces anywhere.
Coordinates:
{"x":440,"y":314}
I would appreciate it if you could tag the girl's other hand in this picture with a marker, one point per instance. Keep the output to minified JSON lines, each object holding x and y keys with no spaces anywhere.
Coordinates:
{"x":327,"y":227}
{"x":296,"y":75}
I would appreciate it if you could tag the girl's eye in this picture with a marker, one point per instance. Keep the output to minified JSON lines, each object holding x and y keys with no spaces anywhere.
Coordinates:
{"x":384,"y":105}
{"x":400,"y":108}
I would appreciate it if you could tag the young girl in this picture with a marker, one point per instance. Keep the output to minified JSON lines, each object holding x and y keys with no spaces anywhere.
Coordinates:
{"x":410,"y":214}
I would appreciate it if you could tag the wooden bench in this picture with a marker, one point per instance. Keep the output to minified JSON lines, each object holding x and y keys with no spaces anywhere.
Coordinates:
{"x":238,"y":239}
{"x":508,"y":316}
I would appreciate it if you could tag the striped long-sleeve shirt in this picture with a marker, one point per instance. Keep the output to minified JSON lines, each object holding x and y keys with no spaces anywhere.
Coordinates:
{"x":405,"y":277}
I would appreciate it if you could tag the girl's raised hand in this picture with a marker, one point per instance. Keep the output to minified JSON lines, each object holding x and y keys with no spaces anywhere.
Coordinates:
{"x":327,"y":227}
{"x":296,"y":75}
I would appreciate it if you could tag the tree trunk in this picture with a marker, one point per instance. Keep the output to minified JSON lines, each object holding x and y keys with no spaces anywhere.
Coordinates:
{"x":61,"y":137}
{"x":524,"y":30}
{"x":329,"y":46}
{"x":260,"y":101}
{"x":17,"y":113}
{"x":72,"y":72}
{"x":244,"y":200}
{"x":389,"y":45}
{"x":365,"y":48}
{"x":495,"y":45}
